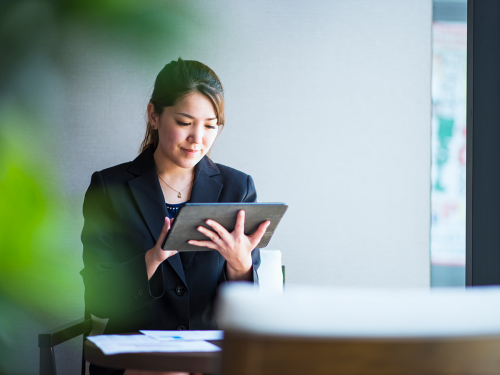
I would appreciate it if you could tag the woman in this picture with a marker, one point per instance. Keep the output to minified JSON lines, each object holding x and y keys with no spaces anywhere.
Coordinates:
{"x":128,"y":211}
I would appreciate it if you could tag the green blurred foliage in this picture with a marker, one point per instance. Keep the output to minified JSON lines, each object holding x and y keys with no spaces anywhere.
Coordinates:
{"x":33,"y":244}
{"x":32,"y":225}
{"x":28,"y":218}
{"x":142,"y":27}
{"x":39,"y":256}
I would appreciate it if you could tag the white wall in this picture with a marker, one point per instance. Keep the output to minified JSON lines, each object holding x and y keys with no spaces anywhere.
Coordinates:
{"x":328,"y":108}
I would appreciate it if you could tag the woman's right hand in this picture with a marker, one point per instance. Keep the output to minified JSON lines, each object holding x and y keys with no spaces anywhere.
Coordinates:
{"x":156,"y":255}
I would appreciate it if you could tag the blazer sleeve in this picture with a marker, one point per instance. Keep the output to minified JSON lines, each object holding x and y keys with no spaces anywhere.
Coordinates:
{"x":115,"y":281}
{"x":251,"y":196}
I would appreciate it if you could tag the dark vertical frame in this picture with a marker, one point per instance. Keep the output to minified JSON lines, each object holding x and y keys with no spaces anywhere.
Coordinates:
{"x":470,"y":141}
{"x":483,"y":143}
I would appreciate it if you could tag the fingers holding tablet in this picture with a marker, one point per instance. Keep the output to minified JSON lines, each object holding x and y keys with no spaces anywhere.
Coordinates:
{"x":215,"y":239}
{"x":156,"y":255}
{"x":220,"y":236}
{"x":235,"y":247}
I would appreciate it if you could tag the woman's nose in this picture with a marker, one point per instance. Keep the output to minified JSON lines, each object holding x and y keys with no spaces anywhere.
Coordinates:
{"x":196,"y":135}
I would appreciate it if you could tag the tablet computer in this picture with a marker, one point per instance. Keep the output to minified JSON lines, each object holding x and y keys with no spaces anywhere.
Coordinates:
{"x":192,"y":215}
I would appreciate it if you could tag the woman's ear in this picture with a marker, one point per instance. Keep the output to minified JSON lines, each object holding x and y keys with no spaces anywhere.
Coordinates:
{"x":152,"y":116}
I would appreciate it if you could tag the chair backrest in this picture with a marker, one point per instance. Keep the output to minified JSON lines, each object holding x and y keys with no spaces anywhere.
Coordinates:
{"x":270,"y":271}
{"x":98,"y":325}
{"x":324,"y":331}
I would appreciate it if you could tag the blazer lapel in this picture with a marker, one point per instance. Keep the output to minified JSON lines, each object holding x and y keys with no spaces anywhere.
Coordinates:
{"x":205,"y":189}
{"x":149,"y":197}
{"x":147,"y":193}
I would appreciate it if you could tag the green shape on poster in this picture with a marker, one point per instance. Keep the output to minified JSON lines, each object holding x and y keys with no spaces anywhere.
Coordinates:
{"x":445,"y":132}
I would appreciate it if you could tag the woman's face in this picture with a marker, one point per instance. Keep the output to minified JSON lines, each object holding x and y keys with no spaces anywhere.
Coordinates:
{"x":186,"y":130}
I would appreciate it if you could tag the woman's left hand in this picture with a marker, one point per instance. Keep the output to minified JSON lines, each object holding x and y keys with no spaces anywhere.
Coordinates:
{"x":235,"y":247}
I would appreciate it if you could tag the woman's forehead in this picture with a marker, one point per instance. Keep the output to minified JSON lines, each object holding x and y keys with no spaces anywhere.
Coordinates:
{"x":194,"y":105}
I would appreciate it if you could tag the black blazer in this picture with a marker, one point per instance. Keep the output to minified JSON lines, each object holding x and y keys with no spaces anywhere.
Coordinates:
{"x":124,"y":211}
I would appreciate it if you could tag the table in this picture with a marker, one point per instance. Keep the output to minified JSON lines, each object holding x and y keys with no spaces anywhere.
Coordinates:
{"x":205,"y":362}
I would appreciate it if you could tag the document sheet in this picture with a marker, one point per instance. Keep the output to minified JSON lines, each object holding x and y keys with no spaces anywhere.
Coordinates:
{"x":115,"y":344}
{"x":185,"y":335}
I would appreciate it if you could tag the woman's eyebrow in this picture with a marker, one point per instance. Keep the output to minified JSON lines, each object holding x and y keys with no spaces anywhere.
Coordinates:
{"x":188,"y":115}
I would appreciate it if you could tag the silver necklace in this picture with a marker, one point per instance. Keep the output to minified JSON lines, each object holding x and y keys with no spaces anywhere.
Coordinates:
{"x":179,"y":192}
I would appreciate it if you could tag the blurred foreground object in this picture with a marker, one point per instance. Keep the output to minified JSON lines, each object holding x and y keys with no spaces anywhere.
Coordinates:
{"x":49,"y":49}
{"x":30,"y":28}
{"x":37,"y":270}
{"x":354,"y":331}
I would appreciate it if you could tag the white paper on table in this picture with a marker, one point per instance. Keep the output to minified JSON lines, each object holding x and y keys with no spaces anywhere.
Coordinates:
{"x":185,"y":335}
{"x":115,"y":344}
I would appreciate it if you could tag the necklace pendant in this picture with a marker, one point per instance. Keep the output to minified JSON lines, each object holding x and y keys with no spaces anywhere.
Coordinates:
{"x":179,"y":195}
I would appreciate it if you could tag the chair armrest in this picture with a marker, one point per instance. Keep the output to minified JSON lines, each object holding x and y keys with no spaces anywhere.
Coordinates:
{"x":66,"y":332}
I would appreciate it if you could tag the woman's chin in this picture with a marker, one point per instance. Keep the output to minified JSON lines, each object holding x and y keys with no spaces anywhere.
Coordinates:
{"x":187,"y":163}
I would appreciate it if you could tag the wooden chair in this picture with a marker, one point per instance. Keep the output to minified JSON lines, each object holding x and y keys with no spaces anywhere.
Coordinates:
{"x":373,"y":332}
{"x":48,"y":340}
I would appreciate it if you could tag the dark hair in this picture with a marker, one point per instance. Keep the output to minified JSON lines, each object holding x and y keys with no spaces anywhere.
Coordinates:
{"x":178,"y":79}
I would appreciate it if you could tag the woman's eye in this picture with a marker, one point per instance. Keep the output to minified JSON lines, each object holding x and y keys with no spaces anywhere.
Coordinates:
{"x":211,"y":126}
{"x":183,"y":123}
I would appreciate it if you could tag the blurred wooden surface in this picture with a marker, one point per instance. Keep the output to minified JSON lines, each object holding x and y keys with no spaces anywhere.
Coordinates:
{"x":246,"y":354}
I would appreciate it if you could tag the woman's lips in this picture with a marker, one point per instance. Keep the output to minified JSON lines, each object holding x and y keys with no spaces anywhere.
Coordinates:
{"x":189,"y":151}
